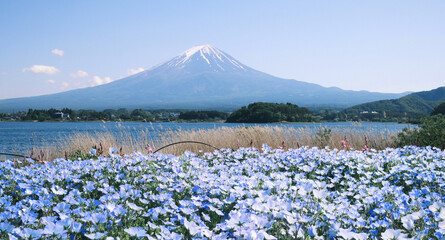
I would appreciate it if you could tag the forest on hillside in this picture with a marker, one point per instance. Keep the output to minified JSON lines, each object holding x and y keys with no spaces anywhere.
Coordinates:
{"x":261,"y":112}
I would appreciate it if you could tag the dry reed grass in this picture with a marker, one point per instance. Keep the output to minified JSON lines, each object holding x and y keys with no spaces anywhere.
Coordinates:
{"x":223,"y":137}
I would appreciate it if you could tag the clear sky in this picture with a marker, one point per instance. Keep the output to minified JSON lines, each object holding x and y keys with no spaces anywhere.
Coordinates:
{"x":384,"y":46}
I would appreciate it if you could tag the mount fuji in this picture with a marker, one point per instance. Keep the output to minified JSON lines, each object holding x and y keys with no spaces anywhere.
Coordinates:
{"x":202,"y":77}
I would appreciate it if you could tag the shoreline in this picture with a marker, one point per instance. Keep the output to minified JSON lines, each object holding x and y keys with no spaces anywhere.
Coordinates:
{"x":284,"y":122}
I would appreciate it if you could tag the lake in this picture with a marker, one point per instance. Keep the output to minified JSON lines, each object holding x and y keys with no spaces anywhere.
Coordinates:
{"x":19,"y":137}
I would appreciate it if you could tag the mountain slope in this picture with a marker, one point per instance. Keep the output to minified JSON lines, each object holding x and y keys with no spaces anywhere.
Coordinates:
{"x":415,"y":103}
{"x":201,"y":77}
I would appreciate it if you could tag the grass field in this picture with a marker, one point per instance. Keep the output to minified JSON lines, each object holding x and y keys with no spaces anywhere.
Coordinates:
{"x":224,"y":137}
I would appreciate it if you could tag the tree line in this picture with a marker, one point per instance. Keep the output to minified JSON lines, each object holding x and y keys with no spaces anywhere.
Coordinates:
{"x":259,"y":112}
{"x":122,"y":114}
{"x":203,"y":116}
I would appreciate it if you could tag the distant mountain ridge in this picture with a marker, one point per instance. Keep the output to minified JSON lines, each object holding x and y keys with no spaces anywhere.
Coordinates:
{"x":417,"y":103}
{"x":202,"y":77}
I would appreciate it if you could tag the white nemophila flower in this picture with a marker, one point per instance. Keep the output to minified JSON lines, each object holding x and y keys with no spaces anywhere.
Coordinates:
{"x":441,"y":226}
{"x":134,"y":206}
{"x":307,"y":168}
{"x":152,"y":226}
{"x":393,"y":234}
{"x":442,"y":214}
{"x":320,"y":194}
{"x":58,"y":190}
{"x":290,"y":218}
{"x":419,"y":214}
{"x":191,"y":226}
{"x":206,"y":217}
{"x":408,"y":222}
{"x":186,"y":210}
{"x":216,"y":210}
{"x":361,"y":236}
{"x":346,"y":233}
{"x":112,"y":150}
{"x":261,"y":234}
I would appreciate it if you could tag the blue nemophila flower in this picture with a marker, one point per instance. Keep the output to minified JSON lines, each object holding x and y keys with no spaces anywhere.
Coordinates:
{"x":62,"y":207}
{"x":155,"y":212}
{"x":197,"y":190}
{"x":90,"y":186}
{"x":136,"y":231}
{"x":98,"y":218}
{"x":76,"y":227}
{"x":116,"y":210}
{"x":28,"y":218}
{"x":93,"y":151}
{"x":27,"y":233}
{"x":300,"y":192}
{"x":6,"y":227}
{"x":112,"y":150}
{"x":96,"y":235}
{"x":54,"y":229}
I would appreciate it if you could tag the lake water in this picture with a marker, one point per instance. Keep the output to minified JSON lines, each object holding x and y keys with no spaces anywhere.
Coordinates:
{"x":19,"y":137}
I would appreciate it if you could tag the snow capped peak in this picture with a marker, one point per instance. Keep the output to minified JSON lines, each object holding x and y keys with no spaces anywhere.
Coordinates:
{"x":208,"y":54}
{"x":206,"y":48}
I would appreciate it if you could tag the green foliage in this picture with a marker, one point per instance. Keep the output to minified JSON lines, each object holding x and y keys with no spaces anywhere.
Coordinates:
{"x":440,"y":109}
{"x":81,"y":155}
{"x":203,"y":115}
{"x":431,"y":133}
{"x":261,"y":112}
{"x":40,"y":115}
{"x":141,"y":115}
{"x":52,"y":114}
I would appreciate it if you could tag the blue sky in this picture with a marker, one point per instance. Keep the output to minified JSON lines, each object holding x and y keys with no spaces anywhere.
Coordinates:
{"x":384,"y":46}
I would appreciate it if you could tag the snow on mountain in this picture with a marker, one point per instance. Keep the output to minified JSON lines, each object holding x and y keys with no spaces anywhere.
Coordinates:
{"x":209,"y":54}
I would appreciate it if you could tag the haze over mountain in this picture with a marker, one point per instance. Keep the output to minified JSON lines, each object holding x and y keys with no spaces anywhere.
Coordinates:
{"x":202,"y":77}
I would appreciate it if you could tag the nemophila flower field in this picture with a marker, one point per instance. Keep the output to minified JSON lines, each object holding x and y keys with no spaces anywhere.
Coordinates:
{"x":305,"y":193}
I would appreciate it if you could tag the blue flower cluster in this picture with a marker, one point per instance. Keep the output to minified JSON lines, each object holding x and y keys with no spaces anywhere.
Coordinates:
{"x":305,"y":193}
